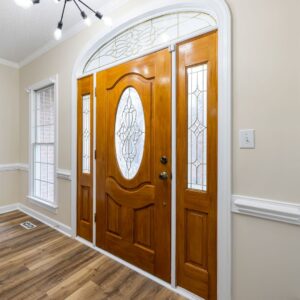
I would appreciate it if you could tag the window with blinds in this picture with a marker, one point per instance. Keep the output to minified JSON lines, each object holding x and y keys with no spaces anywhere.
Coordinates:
{"x":43,"y":145}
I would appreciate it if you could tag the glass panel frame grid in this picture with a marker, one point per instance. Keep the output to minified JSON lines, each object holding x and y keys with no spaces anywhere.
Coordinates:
{"x":130,"y":133}
{"x":86,"y":134}
{"x":43,"y":144}
{"x":197,"y":127}
{"x":148,"y":36}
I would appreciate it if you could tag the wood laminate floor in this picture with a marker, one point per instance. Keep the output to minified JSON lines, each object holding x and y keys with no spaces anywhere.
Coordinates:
{"x":42,"y":263}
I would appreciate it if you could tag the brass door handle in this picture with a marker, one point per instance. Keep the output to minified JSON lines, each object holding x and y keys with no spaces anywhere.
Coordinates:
{"x":164,"y":175}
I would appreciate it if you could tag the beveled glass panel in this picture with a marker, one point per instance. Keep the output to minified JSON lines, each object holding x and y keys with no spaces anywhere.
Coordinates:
{"x":148,"y":35}
{"x":197,"y":127}
{"x":86,"y":134}
{"x":130,"y":133}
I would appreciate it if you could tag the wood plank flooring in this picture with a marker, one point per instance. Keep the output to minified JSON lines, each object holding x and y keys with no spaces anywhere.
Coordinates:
{"x":42,"y":263}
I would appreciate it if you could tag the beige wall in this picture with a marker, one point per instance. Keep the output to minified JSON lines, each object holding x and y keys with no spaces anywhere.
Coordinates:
{"x":9,"y":115}
{"x":9,"y":133}
{"x":266,"y":93}
{"x":9,"y":188}
{"x":266,"y":260}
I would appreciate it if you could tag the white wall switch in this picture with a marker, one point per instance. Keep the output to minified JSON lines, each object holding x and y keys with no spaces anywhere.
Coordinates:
{"x":247,"y":139}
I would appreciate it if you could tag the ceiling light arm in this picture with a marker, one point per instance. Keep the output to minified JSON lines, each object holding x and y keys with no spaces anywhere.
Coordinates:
{"x":97,"y":13}
{"x":88,"y":7}
{"x":63,"y":12}
{"x":83,"y":14}
{"x":77,"y":5}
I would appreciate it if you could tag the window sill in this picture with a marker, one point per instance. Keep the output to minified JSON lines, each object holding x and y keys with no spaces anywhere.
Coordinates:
{"x":51,"y":207}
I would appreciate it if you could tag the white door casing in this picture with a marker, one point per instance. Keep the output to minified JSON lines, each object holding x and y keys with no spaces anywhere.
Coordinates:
{"x":220,"y":11}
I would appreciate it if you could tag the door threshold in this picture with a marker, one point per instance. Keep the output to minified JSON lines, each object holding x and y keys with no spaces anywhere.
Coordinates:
{"x":181,"y":291}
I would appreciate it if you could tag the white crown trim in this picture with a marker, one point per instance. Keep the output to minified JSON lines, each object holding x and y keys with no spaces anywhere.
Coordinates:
{"x":9,"y":63}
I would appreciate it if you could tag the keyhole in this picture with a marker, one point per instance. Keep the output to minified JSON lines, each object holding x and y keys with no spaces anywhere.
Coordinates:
{"x":164,"y":160}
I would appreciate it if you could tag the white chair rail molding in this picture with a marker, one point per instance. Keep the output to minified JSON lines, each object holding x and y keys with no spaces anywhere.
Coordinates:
{"x":267,"y":209}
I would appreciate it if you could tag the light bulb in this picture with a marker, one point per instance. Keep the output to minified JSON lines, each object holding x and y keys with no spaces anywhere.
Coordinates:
{"x":57,"y":34}
{"x":107,"y":21}
{"x":24,"y":3}
{"x":87,"y":21}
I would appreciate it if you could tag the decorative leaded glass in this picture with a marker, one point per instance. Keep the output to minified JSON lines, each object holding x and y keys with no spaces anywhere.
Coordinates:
{"x":86,"y":134}
{"x":197,"y":127}
{"x":149,"y":35}
{"x":130,"y":133}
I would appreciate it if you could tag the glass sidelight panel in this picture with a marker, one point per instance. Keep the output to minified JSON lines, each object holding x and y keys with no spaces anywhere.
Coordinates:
{"x":197,"y":127}
{"x":130,"y":133}
{"x":86,"y":134}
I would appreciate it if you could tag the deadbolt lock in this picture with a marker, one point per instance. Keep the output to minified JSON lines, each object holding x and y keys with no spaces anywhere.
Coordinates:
{"x":164,"y":160}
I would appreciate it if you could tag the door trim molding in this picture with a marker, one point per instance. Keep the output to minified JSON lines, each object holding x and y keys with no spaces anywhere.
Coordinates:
{"x":267,"y":209}
{"x":220,"y":11}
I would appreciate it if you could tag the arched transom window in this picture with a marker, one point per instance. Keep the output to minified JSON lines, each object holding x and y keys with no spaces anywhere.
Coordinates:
{"x":149,"y":35}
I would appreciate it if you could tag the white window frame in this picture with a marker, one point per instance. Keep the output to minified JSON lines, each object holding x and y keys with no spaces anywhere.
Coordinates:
{"x":53,"y":80}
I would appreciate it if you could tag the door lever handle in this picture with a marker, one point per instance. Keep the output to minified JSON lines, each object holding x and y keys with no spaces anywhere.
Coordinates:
{"x":163,"y":175}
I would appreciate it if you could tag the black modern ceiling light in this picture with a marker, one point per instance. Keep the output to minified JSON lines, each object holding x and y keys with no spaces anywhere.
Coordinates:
{"x":79,"y":4}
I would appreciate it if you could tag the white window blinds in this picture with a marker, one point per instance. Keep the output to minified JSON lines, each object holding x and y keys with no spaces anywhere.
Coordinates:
{"x":43,"y":145}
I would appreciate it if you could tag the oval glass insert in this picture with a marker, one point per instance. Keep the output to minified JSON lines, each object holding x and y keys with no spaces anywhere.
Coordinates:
{"x":130,"y":132}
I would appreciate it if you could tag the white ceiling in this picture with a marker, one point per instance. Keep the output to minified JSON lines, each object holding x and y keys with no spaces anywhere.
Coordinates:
{"x":24,"y":31}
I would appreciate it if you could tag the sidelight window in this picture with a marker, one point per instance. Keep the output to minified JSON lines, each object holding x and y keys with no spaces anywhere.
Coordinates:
{"x":86,"y":134}
{"x":197,"y":127}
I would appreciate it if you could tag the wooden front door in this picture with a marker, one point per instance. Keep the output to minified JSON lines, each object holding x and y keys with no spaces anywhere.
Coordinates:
{"x":197,"y":123}
{"x":134,"y":162}
{"x":85,"y":158}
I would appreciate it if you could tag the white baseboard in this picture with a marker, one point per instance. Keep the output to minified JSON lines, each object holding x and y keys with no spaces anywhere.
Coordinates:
{"x":9,"y":208}
{"x":267,"y":209}
{"x":39,"y":216}
{"x":46,"y":220}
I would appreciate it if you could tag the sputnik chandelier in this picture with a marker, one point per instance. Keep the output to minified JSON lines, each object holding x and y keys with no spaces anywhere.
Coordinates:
{"x":79,"y":4}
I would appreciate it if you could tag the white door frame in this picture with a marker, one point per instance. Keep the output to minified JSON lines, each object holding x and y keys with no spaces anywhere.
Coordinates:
{"x":220,"y":11}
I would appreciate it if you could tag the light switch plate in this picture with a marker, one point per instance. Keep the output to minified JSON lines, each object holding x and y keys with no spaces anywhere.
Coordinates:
{"x":247,"y":139}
